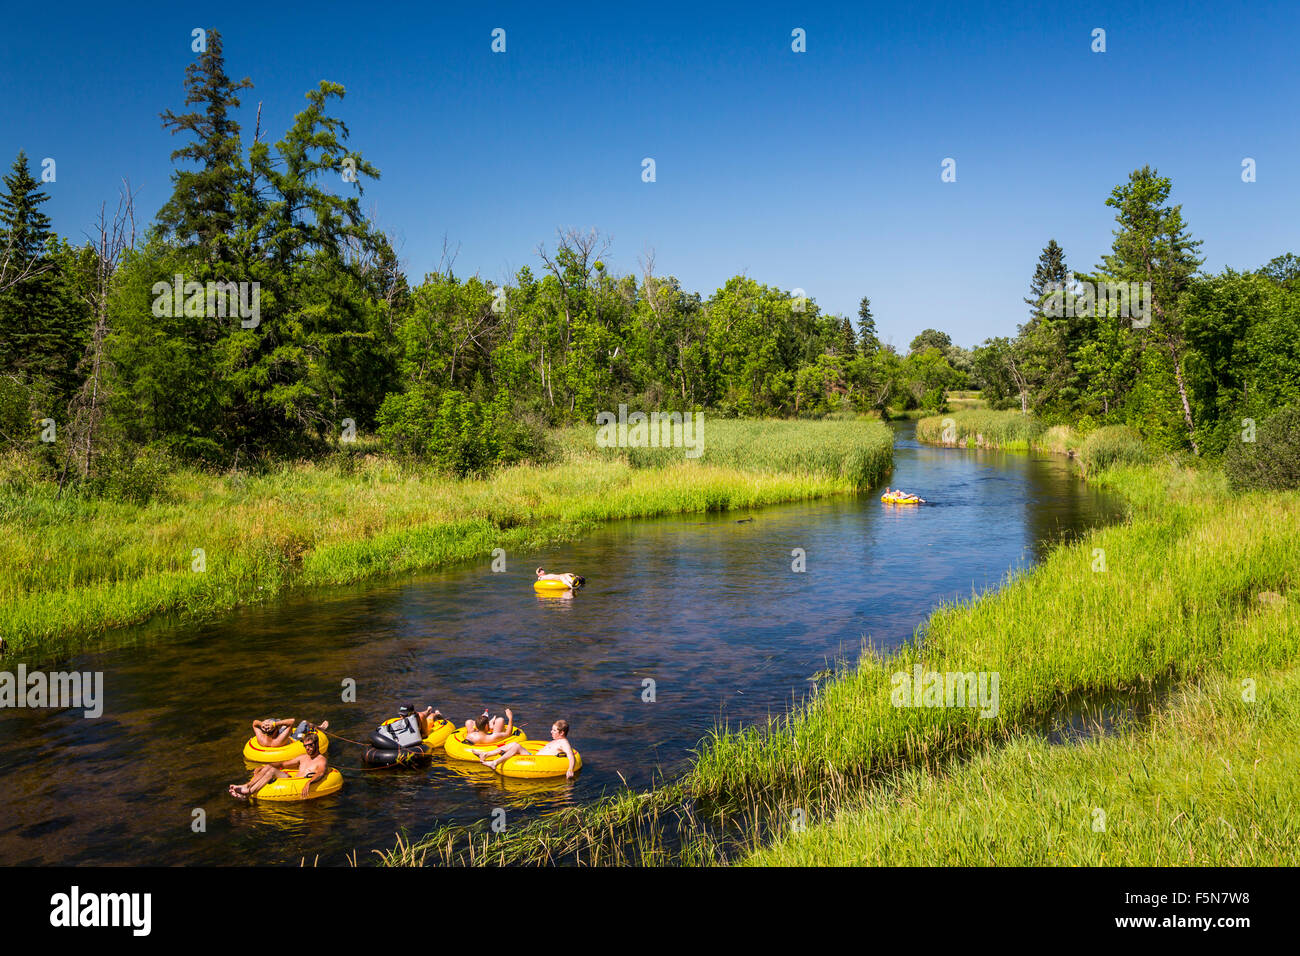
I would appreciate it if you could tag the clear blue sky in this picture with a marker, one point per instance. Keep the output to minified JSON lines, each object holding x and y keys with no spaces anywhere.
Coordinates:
{"x":818,"y":170}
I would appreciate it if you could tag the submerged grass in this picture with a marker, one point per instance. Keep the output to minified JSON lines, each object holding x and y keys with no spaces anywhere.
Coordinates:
{"x":73,"y":567}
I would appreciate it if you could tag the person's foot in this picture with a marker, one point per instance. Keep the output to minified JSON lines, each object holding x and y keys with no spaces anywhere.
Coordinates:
{"x":323,"y":725}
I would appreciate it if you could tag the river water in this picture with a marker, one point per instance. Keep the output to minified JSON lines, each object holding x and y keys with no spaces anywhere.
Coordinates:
{"x":709,"y":609}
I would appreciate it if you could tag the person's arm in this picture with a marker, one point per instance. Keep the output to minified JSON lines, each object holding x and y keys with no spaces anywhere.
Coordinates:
{"x":319,"y":770}
{"x":569,"y":752}
{"x":510,"y":729}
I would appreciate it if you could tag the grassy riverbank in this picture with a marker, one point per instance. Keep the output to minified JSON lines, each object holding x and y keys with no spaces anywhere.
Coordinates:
{"x":76,"y":566}
{"x":1098,"y":450}
{"x":1196,"y":583}
{"x":1208,"y":781}
{"x":982,"y":428}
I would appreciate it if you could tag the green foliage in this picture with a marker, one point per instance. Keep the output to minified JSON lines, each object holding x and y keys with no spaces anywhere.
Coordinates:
{"x":43,"y":318}
{"x":1272,"y":459}
{"x":203,"y":209}
{"x":1110,"y":446}
{"x":455,"y":433}
{"x":128,"y":473}
{"x":449,"y":370}
{"x":981,"y":428}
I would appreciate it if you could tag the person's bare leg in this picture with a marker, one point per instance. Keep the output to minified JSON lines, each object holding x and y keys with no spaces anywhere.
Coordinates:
{"x":256,"y":781}
{"x":256,"y":785}
{"x":507,"y":751}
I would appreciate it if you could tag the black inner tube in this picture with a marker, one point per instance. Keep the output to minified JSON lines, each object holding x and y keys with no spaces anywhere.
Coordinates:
{"x":384,"y":757}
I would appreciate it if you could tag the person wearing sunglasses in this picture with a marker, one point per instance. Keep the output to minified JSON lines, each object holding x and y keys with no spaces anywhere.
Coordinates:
{"x":559,"y":746}
{"x":309,"y":766}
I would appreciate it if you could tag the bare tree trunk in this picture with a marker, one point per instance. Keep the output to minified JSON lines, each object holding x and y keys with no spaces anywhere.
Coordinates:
{"x":86,"y":410}
{"x":1182,"y":394}
{"x":1021,"y":385}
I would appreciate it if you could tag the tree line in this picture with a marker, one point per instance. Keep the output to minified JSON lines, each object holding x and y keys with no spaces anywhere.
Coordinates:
{"x":1196,"y":366}
{"x":132,"y":343}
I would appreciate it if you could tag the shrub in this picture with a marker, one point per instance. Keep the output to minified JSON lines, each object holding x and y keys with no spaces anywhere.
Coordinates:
{"x":129,"y":473}
{"x":1111,"y":445}
{"x":455,"y":433}
{"x":1272,"y":460}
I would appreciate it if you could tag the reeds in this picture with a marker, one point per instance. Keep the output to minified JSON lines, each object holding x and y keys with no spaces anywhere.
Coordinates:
{"x":981,"y":428}
{"x":71,"y":567}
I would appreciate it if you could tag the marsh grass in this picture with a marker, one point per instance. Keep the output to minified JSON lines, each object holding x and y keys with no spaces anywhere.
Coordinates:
{"x":858,"y":451}
{"x":959,"y":401}
{"x":72,"y":567}
{"x":1110,"y":446}
{"x":1208,"y":781}
{"x":982,"y":428}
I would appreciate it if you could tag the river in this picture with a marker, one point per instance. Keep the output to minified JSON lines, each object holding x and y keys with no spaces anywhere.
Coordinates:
{"x":709,"y":609}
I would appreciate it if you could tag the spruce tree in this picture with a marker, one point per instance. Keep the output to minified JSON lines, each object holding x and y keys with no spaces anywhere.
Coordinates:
{"x":867,"y":327}
{"x":38,"y":313}
{"x":1050,"y":275}
{"x":202,"y":209}
{"x":848,"y":340}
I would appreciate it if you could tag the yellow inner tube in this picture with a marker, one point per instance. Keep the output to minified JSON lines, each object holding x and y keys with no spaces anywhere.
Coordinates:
{"x":438,"y":733}
{"x":546,"y":584}
{"x":532,"y":767}
{"x":458,"y":749}
{"x":258,"y":754}
{"x":897,"y":500}
{"x":285,"y":789}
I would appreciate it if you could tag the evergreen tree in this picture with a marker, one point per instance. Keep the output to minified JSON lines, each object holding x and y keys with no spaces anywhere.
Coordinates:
{"x":1152,"y":244}
{"x":867,"y":327}
{"x":42,"y":320}
{"x":1050,"y":275}
{"x":848,"y":341}
{"x":203,"y":206}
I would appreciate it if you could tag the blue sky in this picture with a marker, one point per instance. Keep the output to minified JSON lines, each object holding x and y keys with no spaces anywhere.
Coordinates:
{"x":817,"y":170}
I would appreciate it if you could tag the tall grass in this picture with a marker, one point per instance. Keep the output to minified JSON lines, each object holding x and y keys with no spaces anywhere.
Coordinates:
{"x":1209,"y":781}
{"x":859,"y":451}
{"x":1109,"y":446}
{"x":73,"y":566}
{"x":1177,"y":595}
{"x":981,"y":428}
